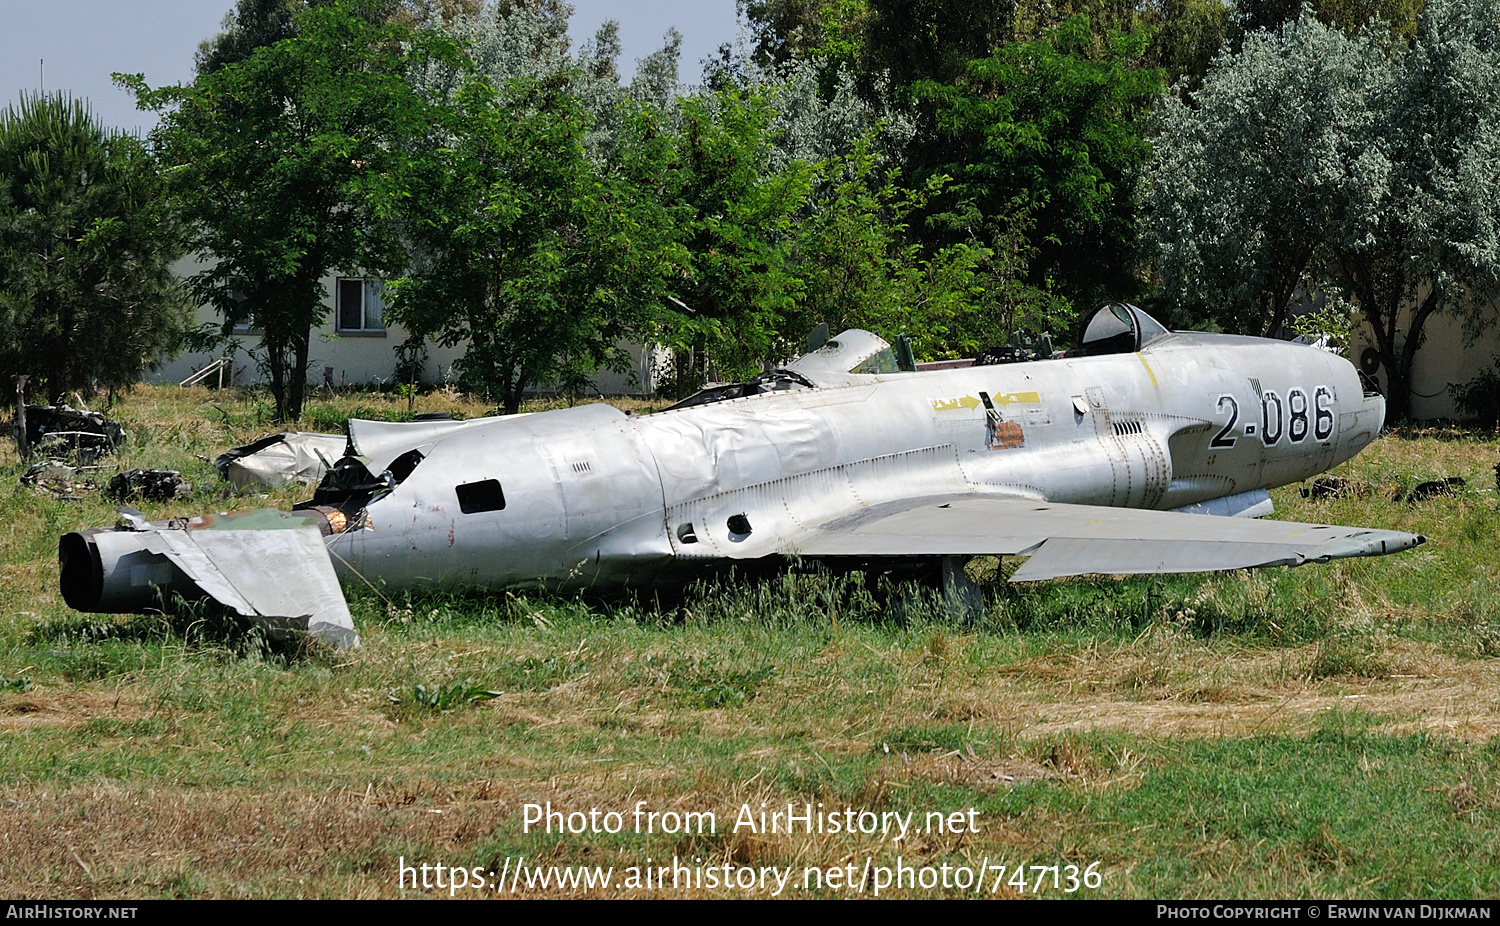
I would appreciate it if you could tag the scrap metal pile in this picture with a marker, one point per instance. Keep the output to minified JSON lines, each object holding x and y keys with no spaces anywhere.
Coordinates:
{"x":59,"y":430}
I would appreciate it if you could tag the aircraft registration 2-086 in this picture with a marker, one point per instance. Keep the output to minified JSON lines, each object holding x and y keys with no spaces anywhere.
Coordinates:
{"x":1141,"y":451}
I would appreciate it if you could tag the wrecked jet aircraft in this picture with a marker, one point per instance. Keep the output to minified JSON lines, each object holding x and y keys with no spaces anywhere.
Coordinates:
{"x":1102,"y":461}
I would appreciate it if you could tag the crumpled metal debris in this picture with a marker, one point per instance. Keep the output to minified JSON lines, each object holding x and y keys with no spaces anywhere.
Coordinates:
{"x":55,"y":430}
{"x":277,"y":459}
{"x":54,"y":477}
{"x":157,"y":485}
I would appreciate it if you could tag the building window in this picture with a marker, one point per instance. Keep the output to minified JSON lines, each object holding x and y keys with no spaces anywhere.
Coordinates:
{"x":239,"y":319}
{"x":361,"y":303}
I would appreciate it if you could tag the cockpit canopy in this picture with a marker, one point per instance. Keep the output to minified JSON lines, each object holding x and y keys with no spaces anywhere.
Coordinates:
{"x":1119,"y":328}
{"x":1114,"y":328}
{"x":852,"y":351}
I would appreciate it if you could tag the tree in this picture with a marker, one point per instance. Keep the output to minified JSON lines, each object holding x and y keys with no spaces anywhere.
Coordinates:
{"x":1051,"y":134}
{"x":272,"y":159}
{"x":538,"y":259}
{"x":254,"y":24}
{"x":857,"y":268}
{"x":1429,"y":244}
{"x":1397,"y":18}
{"x":1186,"y":35}
{"x":1249,"y":173}
{"x":529,"y":39}
{"x":783,"y":31}
{"x":738,"y":204}
{"x":250,"y":25}
{"x":1318,"y":161}
{"x":86,"y":292}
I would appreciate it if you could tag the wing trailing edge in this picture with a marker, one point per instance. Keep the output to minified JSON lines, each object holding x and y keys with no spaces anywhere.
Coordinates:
{"x":1069,"y":540}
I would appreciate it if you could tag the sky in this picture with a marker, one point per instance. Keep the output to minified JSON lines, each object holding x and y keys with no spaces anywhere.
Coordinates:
{"x":75,"y":45}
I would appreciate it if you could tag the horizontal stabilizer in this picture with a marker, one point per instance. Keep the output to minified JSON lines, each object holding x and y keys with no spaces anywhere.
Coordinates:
{"x":281,"y":578}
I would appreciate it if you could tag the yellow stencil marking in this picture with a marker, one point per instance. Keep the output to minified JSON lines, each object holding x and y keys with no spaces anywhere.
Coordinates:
{"x":954,"y":404}
{"x":1148,"y":368}
{"x":1015,"y":398}
{"x":968,"y":401}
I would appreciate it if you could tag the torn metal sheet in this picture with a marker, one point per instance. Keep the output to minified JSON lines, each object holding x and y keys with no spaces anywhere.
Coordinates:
{"x":377,"y":443}
{"x":1104,"y":460}
{"x":278,"y":459}
{"x":157,"y":485}
{"x":59,"y":479}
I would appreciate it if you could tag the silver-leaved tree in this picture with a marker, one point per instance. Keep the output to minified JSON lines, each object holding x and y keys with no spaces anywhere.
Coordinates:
{"x":1311,"y":160}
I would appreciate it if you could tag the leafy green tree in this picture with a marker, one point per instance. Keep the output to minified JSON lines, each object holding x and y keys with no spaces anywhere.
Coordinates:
{"x":250,"y":25}
{"x":272,"y":159}
{"x":254,"y":24}
{"x":1313,"y":160}
{"x":538,"y":259}
{"x":1398,"y":18}
{"x":783,"y":31}
{"x":86,"y":292}
{"x":1186,"y":35}
{"x":1051,"y":134}
{"x":737,"y":212}
{"x":857,"y":267}
{"x":1249,"y":173}
{"x":529,"y":39}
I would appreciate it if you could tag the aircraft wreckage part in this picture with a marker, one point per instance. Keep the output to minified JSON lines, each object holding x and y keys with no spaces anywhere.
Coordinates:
{"x":380,"y":442}
{"x":1071,"y":540}
{"x":282,"y":579}
{"x":1104,"y":460}
{"x":281,"y":458}
{"x":565,"y":498}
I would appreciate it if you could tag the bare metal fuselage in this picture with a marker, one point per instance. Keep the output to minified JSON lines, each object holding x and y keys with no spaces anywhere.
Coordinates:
{"x":592,"y":497}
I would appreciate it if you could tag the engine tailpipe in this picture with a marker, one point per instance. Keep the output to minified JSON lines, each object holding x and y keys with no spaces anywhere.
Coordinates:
{"x":111,"y":572}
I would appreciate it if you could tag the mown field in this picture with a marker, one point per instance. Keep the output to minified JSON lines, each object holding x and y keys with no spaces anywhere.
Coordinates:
{"x":1323,"y":732}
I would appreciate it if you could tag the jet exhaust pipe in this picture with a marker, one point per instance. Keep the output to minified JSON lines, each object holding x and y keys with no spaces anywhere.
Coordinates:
{"x":111,"y":572}
{"x":268,"y":566}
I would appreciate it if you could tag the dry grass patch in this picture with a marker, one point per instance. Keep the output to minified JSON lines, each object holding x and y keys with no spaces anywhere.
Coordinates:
{"x":107,"y":840}
{"x":1191,"y":689}
{"x":43,"y":708}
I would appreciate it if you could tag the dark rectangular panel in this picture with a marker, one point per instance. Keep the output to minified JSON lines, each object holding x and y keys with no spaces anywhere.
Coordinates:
{"x":474,"y":497}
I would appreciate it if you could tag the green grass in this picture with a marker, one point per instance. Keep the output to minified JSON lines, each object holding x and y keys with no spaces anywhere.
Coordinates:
{"x":1318,"y":732}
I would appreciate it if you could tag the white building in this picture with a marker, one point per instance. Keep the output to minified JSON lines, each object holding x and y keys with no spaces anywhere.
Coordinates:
{"x":355,"y":346}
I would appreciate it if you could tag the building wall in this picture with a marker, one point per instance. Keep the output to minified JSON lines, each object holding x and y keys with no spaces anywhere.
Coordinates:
{"x":1443,"y":360}
{"x":369,"y":357}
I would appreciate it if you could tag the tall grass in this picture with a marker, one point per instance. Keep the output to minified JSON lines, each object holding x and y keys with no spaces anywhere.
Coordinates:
{"x":1324,"y":731}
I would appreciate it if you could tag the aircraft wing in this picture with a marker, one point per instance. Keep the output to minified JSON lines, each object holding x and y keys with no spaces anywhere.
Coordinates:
{"x":1069,"y":540}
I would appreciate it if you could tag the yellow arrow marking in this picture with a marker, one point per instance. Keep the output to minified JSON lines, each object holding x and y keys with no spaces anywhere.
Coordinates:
{"x":1015,"y":398}
{"x":968,"y":401}
{"x":954,"y":404}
